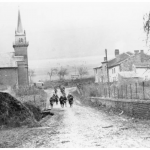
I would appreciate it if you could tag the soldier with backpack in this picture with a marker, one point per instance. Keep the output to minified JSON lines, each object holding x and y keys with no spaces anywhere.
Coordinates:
{"x":70,"y":99}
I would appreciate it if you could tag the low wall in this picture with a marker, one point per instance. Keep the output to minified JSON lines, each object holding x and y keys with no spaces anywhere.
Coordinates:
{"x":132,"y":107}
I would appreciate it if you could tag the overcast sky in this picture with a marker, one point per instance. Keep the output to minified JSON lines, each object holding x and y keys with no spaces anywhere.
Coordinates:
{"x":62,"y":30}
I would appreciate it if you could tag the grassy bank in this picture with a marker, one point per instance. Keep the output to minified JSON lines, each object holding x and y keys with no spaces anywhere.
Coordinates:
{"x":67,"y":83}
{"x":23,"y":108}
{"x":84,"y":93}
{"x":96,"y":90}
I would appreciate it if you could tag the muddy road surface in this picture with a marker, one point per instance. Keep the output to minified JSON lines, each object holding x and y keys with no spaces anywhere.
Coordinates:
{"x":80,"y":127}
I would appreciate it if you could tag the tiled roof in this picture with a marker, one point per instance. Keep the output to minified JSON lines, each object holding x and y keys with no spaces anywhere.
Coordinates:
{"x":97,"y":67}
{"x":118,"y":59}
{"x":129,"y":53}
{"x":144,"y":57}
{"x":9,"y":60}
{"x":145,"y":61}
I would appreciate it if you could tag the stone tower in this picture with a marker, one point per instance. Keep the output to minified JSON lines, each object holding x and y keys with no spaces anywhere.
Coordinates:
{"x":20,"y":46}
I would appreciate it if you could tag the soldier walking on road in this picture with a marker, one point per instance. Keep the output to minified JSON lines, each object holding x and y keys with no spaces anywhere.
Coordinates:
{"x":63,"y":98}
{"x":70,"y":99}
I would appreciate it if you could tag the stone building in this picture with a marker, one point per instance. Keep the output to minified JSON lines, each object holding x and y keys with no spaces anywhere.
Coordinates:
{"x":14,"y":65}
{"x":113,"y":67}
{"x":125,"y":63}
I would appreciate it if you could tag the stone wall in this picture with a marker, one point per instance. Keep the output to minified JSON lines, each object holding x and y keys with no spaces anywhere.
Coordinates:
{"x":22,"y":74}
{"x":23,"y":78}
{"x":8,"y":76}
{"x":22,"y":51}
{"x":131,"y":107}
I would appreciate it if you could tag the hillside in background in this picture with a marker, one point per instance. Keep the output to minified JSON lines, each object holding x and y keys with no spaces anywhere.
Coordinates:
{"x":41,"y":67}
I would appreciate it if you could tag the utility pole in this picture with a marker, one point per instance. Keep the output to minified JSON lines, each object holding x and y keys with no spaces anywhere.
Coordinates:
{"x":107,"y":72}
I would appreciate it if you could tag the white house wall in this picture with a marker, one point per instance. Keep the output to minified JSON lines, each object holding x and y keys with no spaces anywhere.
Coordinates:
{"x":113,"y":75}
{"x":97,"y":75}
{"x":104,"y":72}
{"x":143,"y":73}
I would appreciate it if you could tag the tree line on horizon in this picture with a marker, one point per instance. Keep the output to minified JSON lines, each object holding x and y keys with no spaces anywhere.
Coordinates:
{"x":64,"y":71}
{"x":60,"y":72}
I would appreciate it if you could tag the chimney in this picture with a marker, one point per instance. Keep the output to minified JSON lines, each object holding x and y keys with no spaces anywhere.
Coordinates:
{"x":116,"y":52}
{"x":136,"y":51}
{"x":142,"y":51}
{"x":104,"y":58}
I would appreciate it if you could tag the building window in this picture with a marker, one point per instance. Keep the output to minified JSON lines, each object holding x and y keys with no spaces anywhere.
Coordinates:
{"x":20,"y":40}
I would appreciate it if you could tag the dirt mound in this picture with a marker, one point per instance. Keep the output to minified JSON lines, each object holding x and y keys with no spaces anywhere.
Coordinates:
{"x":13,"y":113}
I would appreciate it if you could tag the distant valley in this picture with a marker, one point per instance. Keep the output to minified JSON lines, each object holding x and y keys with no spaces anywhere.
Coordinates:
{"x":41,"y":67}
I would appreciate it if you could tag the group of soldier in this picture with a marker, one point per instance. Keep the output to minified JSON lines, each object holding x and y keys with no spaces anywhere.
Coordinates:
{"x":62,"y":99}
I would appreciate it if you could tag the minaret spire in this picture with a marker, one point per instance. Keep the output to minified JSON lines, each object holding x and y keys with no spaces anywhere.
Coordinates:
{"x":19,"y":25}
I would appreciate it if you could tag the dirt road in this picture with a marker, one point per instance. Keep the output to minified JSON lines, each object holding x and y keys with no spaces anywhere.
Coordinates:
{"x":81,"y":126}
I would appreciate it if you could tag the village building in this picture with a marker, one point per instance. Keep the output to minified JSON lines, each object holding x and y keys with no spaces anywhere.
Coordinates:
{"x":14,"y":65}
{"x":123,"y":65}
{"x":113,"y":68}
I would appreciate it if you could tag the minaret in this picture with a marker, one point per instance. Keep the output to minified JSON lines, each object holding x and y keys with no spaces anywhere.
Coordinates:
{"x":20,"y":46}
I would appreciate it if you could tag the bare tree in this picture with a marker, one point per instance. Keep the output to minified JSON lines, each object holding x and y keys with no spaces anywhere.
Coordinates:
{"x":31,"y":74}
{"x":146,"y":25}
{"x":52,"y":72}
{"x":82,"y":71}
{"x":62,"y":72}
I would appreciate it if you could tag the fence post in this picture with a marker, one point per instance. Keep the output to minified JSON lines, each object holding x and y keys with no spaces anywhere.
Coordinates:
{"x":136,"y":89}
{"x":122,"y":91}
{"x":118,"y":92}
{"x":34,"y":98}
{"x":43,"y":104}
{"x":126,"y":92}
{"x":109,"y":91}
{"x":131,"y":91}
{"x":104,"y":92}
{"x":143,"y":91}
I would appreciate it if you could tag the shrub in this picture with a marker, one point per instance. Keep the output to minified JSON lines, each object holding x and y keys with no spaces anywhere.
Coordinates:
{"x":68,"y":82}
{"x":93,"y":93}
{"x":90,"y":90}
{"x":35,"y":110}
{"x":26,"y":90}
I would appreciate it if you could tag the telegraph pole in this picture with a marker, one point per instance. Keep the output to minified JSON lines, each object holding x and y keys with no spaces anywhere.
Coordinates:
{"x":107,"y":72}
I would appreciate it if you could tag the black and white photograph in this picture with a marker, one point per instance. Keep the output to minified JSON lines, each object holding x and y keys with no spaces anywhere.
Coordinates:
{"x":75,"y":74}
